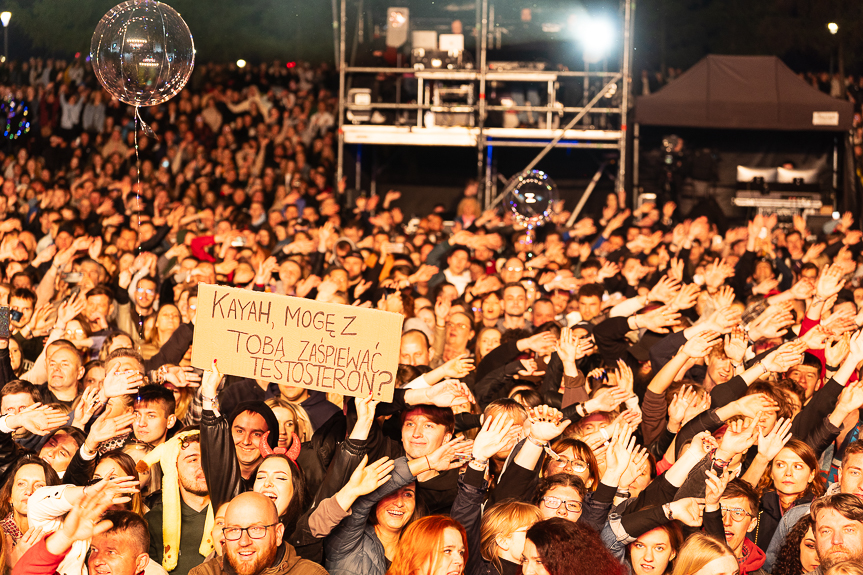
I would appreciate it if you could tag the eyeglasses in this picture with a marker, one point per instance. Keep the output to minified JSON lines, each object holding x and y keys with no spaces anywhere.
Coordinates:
{"x":458,"y":326}
{"x":577,"y":465}
{"x":74,"y":333}
{"x":555,"y":503}
{"x":255,"y":531}
{"x":515,"y":269}
{"x":146,"y":291}
{"x":737,"y":514}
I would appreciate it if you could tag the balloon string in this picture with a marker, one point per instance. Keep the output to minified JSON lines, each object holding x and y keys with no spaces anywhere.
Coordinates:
{"x":138,"y":123}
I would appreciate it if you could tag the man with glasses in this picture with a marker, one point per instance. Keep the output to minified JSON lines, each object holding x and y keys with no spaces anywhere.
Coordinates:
{"x":739,"y":505}
{"x":459,"y":331}
{"x":254,"y":542}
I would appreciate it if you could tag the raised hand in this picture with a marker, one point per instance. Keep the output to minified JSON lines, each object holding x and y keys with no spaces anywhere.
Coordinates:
{"x":736,"y":344}
{"x":182,"y":376}
{"x":619,"y":453}
{"x":665,"y":290}
{"x":367,"y":478}
{"x":449,"y":393}
{"x":803,"y":289}
{"x":458,"y":367}
{"x":607,"y":399}
{"x":542,"y":343}
{"x":658,"y":320}
{"x":38,"y":419}
{"x":771,"y":444}
{"x":450,"y":454}
{"x":546,"y":423}
{"x":837,"y":349}
{"x":210,"y":381}
{"x":366,"y":407}
{"x":118,"y":383}
{"x":830,"y":281}
{"x":679,"y":404}
{"x":716,"y":273}
{"x":738,"y":437}
{"x":752,"y":405}
{"x":530,"y":368}
{"x":785,"y":356}
{"x":688,"y":511}
{"x":685,"y":298}
{"x":700,"y":345}
{"x":84,"y":521}
{"x":106,"y":428}
{"x":724,"y":297}
{"x":715,"y":488}
{"x":492,"y":437}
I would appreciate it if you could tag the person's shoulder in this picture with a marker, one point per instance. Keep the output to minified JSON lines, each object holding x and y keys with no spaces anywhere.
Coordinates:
{"x":208,"y":567}
{"x":305,"y":567}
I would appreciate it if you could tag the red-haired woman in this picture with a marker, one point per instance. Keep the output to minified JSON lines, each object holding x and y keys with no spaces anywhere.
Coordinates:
{"x":558,"y":546}
{"x":434,"y":545}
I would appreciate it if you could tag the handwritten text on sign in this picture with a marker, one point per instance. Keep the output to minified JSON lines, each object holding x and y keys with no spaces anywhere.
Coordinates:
{"x":297,"y":342}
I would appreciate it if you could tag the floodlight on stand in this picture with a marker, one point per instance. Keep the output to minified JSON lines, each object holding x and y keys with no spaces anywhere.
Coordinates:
{"x":832,"y":26}
{"x":595,"y":34}
{"x":241,"y":63}
{"x":5,"y":17}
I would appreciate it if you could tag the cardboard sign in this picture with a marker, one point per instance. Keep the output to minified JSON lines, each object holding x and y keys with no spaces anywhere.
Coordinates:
{"x":297,"y":342}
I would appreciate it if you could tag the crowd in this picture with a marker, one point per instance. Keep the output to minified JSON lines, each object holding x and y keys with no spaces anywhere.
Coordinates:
{"x":638,"y":393}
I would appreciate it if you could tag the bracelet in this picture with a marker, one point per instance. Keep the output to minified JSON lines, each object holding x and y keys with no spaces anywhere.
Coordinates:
{"x":831,"y":367}
{"x":428,"y":462}
{"x":666,"y":509}
{"x":622,"y":493}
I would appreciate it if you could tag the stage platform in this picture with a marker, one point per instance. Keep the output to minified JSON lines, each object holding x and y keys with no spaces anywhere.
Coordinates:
{"x":467,"y":137}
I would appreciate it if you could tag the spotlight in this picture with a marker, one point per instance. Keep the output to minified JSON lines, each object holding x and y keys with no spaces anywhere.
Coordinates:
{"x":241,"y":63}
{"x":833,"y":27}
{"x":596,"y":35}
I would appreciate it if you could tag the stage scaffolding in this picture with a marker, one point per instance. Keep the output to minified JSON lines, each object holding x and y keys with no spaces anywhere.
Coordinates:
{"x":562,"y":127}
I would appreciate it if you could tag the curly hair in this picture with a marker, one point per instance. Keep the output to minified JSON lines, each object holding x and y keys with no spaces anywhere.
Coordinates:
{"x":567,"y":548}
{"x":788,"y":558}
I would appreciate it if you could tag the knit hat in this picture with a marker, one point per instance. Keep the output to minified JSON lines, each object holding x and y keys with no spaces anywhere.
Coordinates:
{"x":166,"y":454}
{"x":264,"y":411}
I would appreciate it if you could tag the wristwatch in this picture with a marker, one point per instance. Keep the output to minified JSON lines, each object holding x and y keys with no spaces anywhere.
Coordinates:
{"x":666,"y":509}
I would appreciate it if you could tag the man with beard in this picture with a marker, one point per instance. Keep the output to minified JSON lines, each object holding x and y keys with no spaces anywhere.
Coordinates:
{"x":838,"y":530}
{"x":182,"y":521}
{"x":253,"y":542}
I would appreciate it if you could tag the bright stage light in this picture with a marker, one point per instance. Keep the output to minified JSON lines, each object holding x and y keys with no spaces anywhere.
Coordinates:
{"x":5,"y":17}
{"x":833,"y":27}
{"x":596,"y":35}
{"x":241,"y":63}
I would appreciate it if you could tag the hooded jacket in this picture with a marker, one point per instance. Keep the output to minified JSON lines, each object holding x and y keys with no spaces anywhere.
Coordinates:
{"x":752,"y":560}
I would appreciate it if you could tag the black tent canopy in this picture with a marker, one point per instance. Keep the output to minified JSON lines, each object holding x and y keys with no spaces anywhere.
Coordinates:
{"x":743,"y":92}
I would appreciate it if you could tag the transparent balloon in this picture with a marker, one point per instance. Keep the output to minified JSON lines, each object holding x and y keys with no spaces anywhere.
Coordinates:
{"x":532,"y":197}
{"x":142,"y":52}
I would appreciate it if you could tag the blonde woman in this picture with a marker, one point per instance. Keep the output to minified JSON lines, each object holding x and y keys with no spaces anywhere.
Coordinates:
{"x":292,"y":419}
{"x":503,"y":532}
{"x":704,"y":555}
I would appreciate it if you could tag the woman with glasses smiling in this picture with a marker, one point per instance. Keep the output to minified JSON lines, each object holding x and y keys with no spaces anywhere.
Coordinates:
{"x":576,"y":458}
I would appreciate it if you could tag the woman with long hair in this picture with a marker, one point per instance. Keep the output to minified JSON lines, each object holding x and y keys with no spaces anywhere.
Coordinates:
{"x":167,"y":321}
{"x":798,"y":554}
{"x":503,"y":532}
{"x":791,"y":478}
{"x":561,"y":547}
{"x":653,"y":553}
{"x":116,"y":464}
{"x":434,"y":545}
{"x":705,"y":555}
{"x":28,"y":475}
